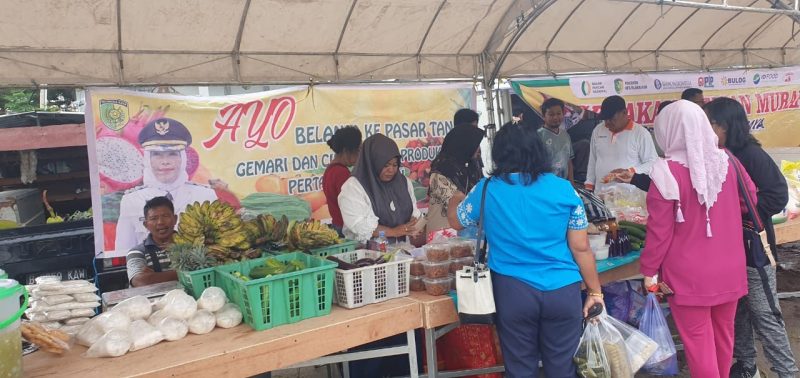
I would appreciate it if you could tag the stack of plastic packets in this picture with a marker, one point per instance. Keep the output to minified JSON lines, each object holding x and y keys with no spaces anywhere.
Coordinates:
{"x":63,"y":305}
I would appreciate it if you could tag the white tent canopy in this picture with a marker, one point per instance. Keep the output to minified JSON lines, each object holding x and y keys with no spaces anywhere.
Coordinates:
{"x":151,"y":42}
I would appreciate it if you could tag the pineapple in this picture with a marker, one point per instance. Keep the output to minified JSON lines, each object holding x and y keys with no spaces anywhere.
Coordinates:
{"x":189,"y":257}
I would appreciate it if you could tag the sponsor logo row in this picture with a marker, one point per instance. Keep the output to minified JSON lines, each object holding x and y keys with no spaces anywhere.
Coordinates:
{"x":620,"y":86}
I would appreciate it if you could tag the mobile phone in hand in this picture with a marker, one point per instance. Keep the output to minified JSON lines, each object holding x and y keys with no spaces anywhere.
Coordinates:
{"x":595,"y":310}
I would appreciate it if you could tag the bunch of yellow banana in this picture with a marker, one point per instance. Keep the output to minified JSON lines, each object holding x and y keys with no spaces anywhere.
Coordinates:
{"x":212,"y":223}
{"x":310,"y":234}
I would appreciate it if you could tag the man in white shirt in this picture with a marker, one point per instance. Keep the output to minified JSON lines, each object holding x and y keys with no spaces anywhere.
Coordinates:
{"x":619,"y":145}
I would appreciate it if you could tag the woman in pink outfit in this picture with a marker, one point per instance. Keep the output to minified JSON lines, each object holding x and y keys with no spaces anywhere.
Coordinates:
{"x":694,"y":236}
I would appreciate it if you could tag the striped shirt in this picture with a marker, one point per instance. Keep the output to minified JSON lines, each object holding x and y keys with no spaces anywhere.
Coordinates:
{"x":142,"y":255}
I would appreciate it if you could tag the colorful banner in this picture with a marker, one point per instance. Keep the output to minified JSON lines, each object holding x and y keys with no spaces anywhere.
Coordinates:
{"x":771,"y":98}
{"x":255,"y":151}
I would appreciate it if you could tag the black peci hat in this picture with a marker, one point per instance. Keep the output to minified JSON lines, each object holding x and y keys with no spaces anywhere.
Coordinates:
{"x":611,"y":105}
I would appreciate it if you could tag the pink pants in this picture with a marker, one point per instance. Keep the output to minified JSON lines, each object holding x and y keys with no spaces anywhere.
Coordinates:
{"x":707,"y":335}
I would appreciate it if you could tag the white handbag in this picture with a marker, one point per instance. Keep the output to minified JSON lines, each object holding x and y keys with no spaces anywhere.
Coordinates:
{"x":474,"y":283}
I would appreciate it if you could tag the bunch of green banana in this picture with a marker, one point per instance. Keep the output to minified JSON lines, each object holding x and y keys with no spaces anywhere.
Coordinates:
{"x":310,"y":234}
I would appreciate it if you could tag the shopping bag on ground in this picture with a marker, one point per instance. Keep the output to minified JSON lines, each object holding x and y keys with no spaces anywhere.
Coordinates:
{"x":653,"y":324}
{"x":590,"y":358}
{"x":638,"y":346}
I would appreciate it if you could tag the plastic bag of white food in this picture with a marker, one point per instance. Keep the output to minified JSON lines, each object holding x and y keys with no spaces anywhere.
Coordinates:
{"x":57,"y":315}
{"x":138,"y":307}
{"x":228,"y":316}
{"x":86,"y":297}
{"x":212,"y":299}
{"x":144,"y":335}
{"x":181,"y":307}
{"x":156,"y":317}
{"x":76,"y":321}
{"x":82,"y":313}
{"x":102,"y":324}
{"x":202,"y":322}
{"x":52,"y":300}
{"x":161,"y":302}
{"x":114,"y":343}
{"x":71,"y":329}
{"x":173,"y":328}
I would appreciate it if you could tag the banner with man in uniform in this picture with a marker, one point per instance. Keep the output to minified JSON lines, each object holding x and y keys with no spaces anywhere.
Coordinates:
{"x":258,"y":152}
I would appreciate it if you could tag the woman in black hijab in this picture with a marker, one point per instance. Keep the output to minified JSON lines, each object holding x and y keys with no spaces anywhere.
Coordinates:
{"x":378,"y":197}
{"x":453,"y":170}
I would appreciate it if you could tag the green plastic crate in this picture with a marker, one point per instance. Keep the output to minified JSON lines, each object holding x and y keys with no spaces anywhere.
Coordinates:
{"x":344,"y":247}
{"x":195,"y":281}
{"x":282,"y":299}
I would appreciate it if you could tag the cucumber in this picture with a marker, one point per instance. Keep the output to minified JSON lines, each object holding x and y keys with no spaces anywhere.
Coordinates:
{"x":627,"y":224}
{"x":635,"y":232}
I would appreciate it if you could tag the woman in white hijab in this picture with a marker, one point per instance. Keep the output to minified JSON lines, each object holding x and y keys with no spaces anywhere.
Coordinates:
{"x":694,"y":240}
{"x":164,"y":141}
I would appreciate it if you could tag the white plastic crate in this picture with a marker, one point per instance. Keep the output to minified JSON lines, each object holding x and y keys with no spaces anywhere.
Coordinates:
{"x":371,"y":284}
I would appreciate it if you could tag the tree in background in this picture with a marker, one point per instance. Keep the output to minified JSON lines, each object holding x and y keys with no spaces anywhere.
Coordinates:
{"x":18,"y":100}
{"x":27,"y":100}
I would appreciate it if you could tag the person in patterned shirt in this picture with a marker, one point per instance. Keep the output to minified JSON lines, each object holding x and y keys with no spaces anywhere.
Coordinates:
{"x":536,"y":228}
{"x":148,"y":262}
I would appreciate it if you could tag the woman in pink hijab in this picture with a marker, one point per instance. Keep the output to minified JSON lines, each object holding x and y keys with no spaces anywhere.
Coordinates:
{"x":694,"y":240}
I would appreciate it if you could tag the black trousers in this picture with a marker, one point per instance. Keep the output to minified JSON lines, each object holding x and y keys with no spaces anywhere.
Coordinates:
{"x":536,"y":325}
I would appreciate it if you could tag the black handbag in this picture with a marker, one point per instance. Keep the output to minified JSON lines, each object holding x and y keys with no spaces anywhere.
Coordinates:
{"x":756,"y":248}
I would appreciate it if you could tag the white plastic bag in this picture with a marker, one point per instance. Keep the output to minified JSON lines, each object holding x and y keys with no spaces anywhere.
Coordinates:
{"x":156,"y":317}
{"x":173,"y":328}
{"x":136,"y":308}
{"x":112,"y":320}
{"x":614,"y":346}
{"x":212,"y":299}
{"x":102,"y":324}
{"x":64,"y":287}
{"x":76,"y":321}
{"x":114,"y":343}
{"x":180,"y":306}
{"x":202,"y":322}
{"x":86,"y":297}
{"x":51,"y":325}
{"x":71,"y":329}
{"x":167,"y":298}
{"x":144,"y":335}
{"x":52,"y":300}
{"x":57,"y":315}
{"x":590,"y":358}
{"x":228,"y":316}
{"x":88,"y":334}
{"x":637,"y":344}
{"x":36,"y":316}
{"x":41,"y":306}
{"x":82,"y":313}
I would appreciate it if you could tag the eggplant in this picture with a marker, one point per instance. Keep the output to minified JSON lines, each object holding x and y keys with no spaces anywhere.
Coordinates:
{"x":342,"y":264}
{"x":365,"y":262}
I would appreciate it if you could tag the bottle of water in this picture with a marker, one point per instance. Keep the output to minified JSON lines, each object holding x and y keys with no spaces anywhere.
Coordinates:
{"x":381,"y":242}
